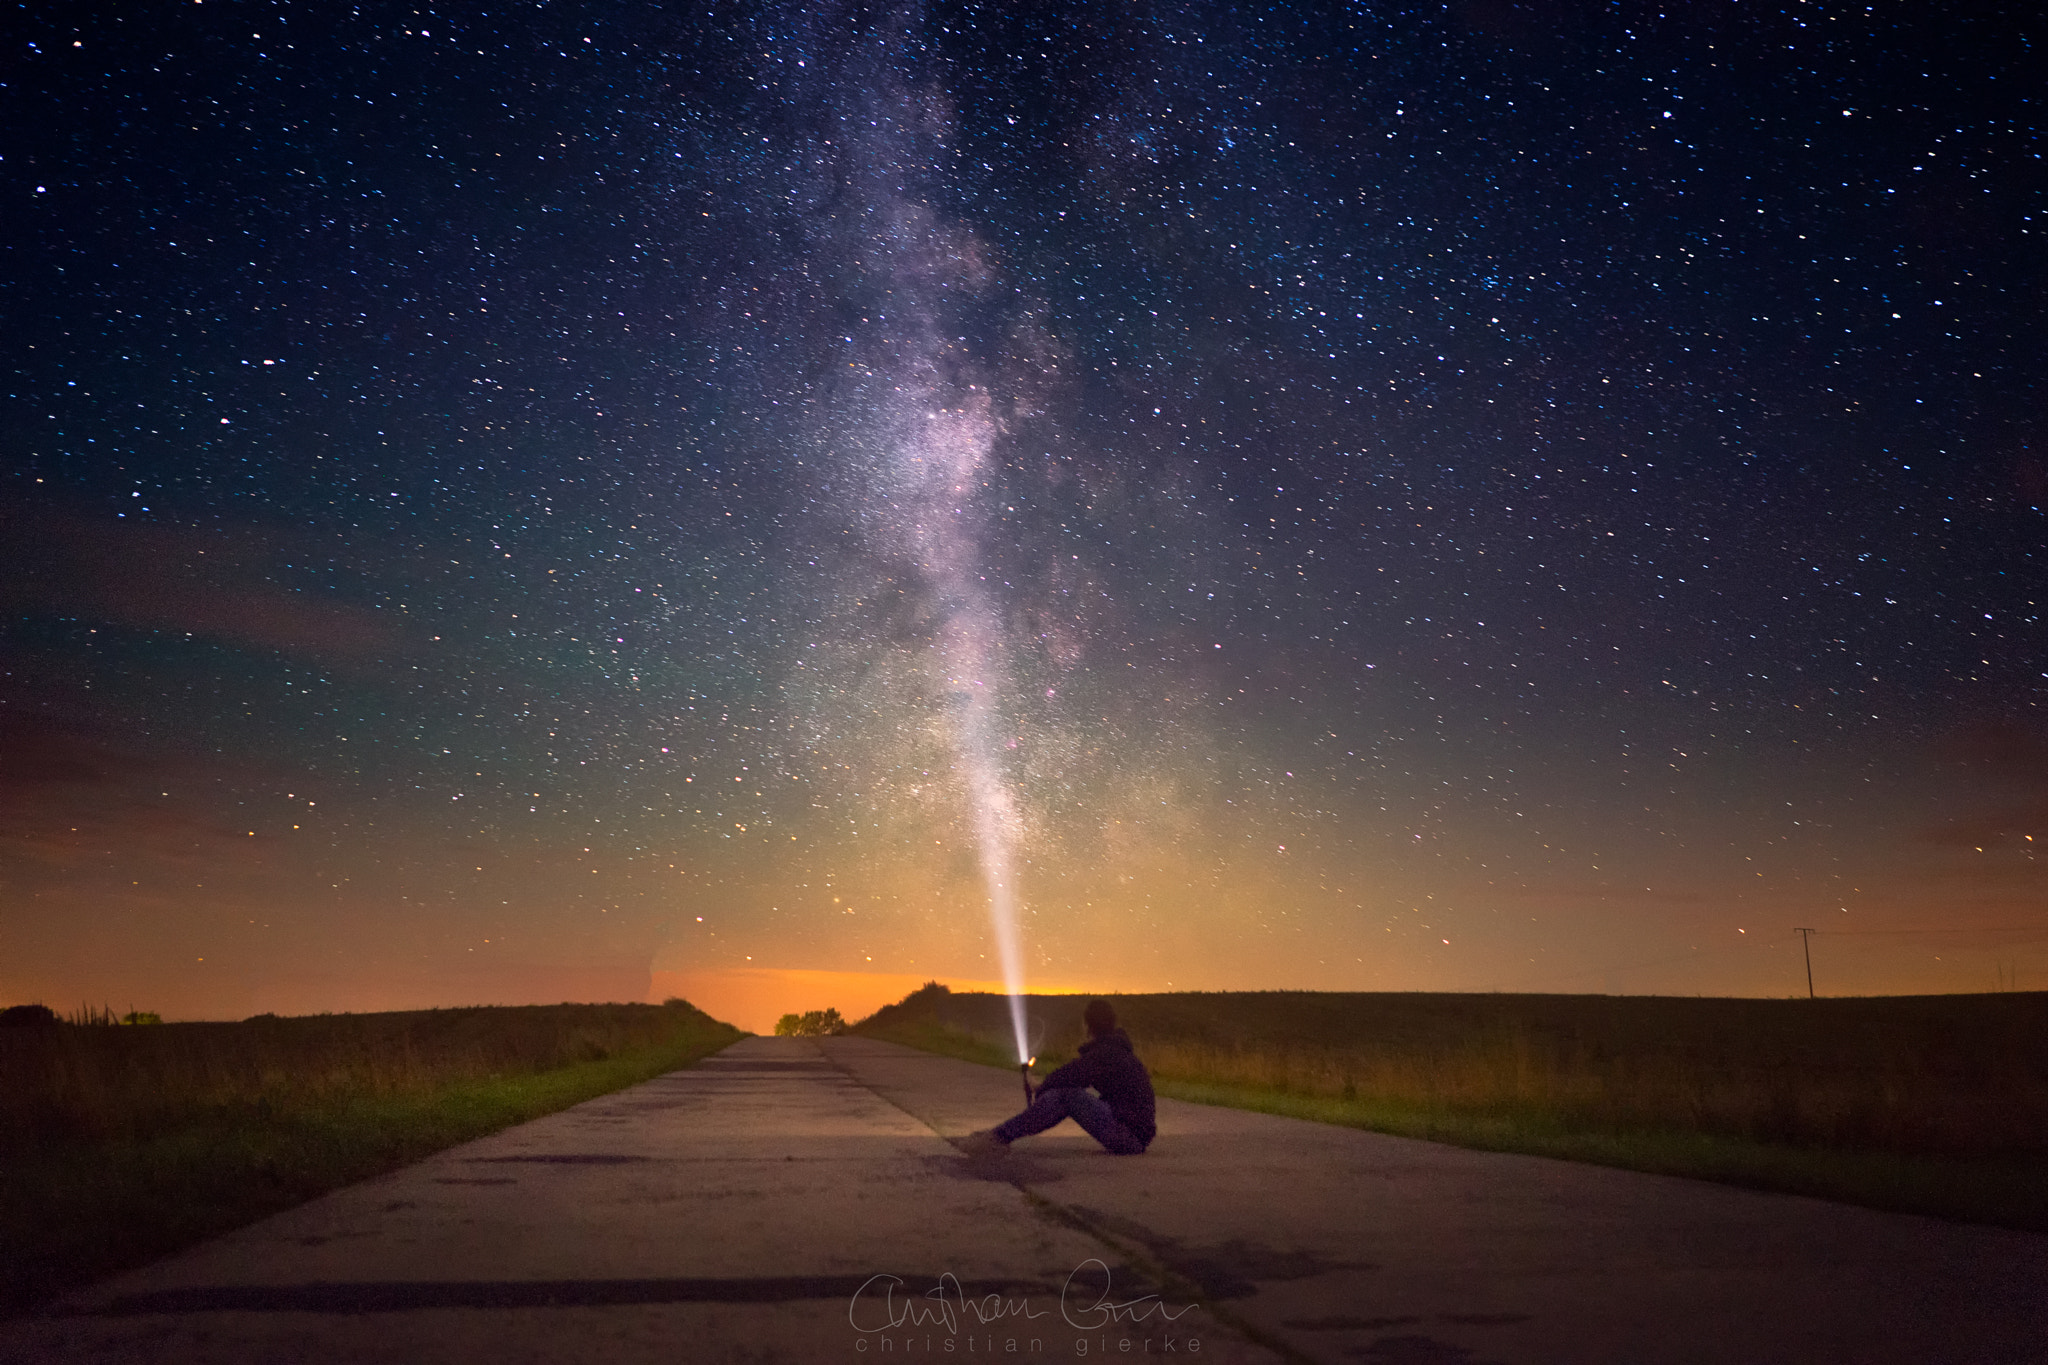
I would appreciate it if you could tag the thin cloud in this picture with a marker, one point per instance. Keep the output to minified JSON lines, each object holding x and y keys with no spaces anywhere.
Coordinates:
{"x":180,"y":581}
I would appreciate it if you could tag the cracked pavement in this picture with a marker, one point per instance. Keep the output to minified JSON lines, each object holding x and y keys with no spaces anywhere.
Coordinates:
{"x":797,"y":1200}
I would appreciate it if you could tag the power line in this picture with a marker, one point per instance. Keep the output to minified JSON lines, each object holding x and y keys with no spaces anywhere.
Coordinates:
{"x":1541,"y":979}
{"x":1957,"y":929}
{"x":1692,"y":954}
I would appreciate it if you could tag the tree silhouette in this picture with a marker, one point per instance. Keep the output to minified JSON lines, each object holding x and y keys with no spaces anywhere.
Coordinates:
{"x":810,"y":1024}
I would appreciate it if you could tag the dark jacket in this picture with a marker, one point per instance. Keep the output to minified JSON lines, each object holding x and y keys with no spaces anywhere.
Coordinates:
{"x":1109,"y":1065}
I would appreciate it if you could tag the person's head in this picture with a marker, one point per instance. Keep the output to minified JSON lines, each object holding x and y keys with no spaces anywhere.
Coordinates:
{"x":1100,"y":1017}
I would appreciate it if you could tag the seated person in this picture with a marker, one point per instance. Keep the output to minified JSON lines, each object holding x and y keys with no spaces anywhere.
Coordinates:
{"x":1119,"y":1115}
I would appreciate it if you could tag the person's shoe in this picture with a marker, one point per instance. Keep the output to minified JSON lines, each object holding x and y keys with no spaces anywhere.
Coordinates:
{"x":983,"y":1143}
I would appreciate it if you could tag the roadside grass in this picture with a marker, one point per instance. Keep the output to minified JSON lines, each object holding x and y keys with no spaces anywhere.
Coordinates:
{"x":121,"y":1150}
{"x":1930,"y":1104}
{"x":2005,"y":1193}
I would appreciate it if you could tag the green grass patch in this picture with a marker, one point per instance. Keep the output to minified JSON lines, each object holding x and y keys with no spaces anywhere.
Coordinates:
{"x":1931,"y":1104}
{"x":93,"y":1188}
{"x":2005,"y":1193}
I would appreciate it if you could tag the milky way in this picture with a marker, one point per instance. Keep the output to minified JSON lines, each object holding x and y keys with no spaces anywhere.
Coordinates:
{"x":557,"y":502}
{"x":919,"y":426}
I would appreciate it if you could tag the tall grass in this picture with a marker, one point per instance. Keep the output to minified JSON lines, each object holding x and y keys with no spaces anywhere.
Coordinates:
{"x":119,"y":1144}
{"x":1936,"y":1103}
{"x":96,"y":1083}
{"x":1886,"y":1107}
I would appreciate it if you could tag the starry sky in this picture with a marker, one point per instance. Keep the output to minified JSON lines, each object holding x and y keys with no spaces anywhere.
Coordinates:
{"x":552,"y":501}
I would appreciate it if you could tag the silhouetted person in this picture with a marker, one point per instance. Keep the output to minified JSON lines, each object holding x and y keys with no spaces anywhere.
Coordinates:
{"x":1119,"y":1114}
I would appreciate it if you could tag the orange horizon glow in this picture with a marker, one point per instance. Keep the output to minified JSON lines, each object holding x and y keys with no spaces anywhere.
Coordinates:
{"x":753,"y":998}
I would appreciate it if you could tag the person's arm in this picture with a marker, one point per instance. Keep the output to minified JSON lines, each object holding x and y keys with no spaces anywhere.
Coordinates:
{"x":1079,"y":1074}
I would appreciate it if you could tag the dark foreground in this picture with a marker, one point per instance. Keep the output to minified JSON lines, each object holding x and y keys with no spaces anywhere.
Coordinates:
{"x":120,"y":1144}
{"x":791,"y":1200}
{"x":1927,"y":1104}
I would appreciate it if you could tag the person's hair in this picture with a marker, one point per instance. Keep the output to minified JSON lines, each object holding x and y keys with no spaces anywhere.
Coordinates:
{"x":1100,"y":1016}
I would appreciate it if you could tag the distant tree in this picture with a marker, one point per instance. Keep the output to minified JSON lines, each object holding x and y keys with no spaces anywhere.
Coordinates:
{"x":142,"y":1017}
{"x":810,"y":1024}
{"x":28,"y":1016}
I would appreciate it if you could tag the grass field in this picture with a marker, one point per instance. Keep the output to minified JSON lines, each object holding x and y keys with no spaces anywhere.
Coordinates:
{"x":121,"y":1144}
{"x":1927,"y":1104}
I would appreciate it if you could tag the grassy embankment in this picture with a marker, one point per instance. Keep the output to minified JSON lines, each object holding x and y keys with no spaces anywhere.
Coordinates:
{"x":120,"y":1144}
{"x":1925,"y":1104}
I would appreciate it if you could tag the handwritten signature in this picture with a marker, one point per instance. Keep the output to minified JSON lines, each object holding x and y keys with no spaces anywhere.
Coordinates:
{"x":876,"y":1306}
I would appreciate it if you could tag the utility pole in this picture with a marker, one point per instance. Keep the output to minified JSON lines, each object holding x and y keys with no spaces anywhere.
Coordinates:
{"x":1806,"y":940}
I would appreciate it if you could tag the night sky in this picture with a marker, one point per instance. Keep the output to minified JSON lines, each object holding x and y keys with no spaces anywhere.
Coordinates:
{"x":591,"y":502}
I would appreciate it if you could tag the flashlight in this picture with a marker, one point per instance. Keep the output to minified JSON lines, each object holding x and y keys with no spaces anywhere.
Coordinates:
{"x":1024,"y":1071}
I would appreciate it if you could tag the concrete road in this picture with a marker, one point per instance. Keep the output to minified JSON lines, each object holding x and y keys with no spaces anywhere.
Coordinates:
{"x":791,"y":1200}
